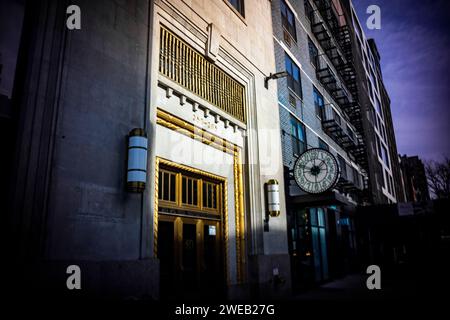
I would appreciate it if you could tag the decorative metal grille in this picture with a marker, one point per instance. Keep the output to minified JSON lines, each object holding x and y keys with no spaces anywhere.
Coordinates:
{"x":182,"y":64}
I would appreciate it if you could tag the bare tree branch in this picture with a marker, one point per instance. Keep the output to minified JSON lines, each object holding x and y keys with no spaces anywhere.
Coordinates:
{"x":438,"y":176}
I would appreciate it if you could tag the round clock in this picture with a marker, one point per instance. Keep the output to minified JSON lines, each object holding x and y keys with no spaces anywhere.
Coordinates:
{"x":316,"y":171}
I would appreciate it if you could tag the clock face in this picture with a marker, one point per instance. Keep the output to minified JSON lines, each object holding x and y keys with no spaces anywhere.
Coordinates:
{"x":316,"y":171}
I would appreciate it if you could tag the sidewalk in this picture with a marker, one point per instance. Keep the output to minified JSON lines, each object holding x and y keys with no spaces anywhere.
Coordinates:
{"x":353,"y":287}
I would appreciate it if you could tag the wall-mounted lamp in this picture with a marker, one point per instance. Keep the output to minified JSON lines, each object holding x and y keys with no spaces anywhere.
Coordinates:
{"x":273,"y":201}
{"x":137,"y":160}
{"x":273,"y":198}
{"x":277,"y":75}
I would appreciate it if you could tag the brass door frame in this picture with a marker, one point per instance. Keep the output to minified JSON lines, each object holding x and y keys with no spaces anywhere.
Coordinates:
{"x":180,"y":126}
{"x":221,"y":221}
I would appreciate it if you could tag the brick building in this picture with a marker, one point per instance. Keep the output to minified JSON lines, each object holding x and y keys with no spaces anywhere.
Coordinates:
{"x":333,"y":98}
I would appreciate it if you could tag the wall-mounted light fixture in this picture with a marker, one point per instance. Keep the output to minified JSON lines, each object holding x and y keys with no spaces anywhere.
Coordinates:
{"x":273,"y":198}
{"x":137,"y":160}
{"x":277,"y":75}
{"x":273,"y":201}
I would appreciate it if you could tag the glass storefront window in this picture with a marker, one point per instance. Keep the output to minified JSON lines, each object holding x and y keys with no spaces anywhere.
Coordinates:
{"x":310,"y":243}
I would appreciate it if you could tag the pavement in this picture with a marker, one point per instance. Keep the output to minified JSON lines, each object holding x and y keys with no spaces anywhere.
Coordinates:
{"x":353,"y":288}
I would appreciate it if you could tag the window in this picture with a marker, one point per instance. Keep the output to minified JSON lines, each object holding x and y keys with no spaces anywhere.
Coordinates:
{"x":385,"y":156}
{"x":342,"y":166}
{"x":371,"y":115}
{"x":210,"y":195}
{"x":356,"y":24}
{"x":309,"y":11}
{"x":299,"y":235}
{"x":189,"y":191}
{"x":392,"y":183}
{"x":319,"y":243}
{"x":184,"y":190}
{"x":369,"y":86}
{"x":308,"y":240}
{"x":337,"y":117}
{"x":348,"y":231}
{"x":356,"y":177}
{"x":292,"y":101}
{"x":167,"y":186}
{"x":323,"y":145}
{"x":386,"y":181}
{"x":379,"y":146}
{"x":298,"y":135}
{"x":313,"y":53}
{"x":378,"y":106}
{"x":366,"y":60}
{"x":372,"y":76}
{"x":359,"y":45}
{"x":288,"y":19}
{"x":238,"y":5}
{"x":350,"y":133}
{"x":318,"y":103}
{"x":383,"y":128}
{"x":293,"y":78}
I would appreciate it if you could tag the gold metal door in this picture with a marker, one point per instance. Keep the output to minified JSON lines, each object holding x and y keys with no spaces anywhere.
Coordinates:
{"x":189,"y":252}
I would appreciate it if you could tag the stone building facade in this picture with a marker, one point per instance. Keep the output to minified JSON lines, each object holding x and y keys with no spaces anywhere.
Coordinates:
{"x":190,"y":74}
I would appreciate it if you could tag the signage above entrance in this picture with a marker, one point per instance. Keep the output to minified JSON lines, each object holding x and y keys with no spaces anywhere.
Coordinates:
{"x":316,"y":171}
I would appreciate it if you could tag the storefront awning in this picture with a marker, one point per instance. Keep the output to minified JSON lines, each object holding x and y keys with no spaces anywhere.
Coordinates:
{"x":323,"y":199}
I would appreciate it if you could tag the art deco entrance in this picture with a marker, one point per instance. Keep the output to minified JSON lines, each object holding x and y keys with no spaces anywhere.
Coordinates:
{"x":191,"y":223}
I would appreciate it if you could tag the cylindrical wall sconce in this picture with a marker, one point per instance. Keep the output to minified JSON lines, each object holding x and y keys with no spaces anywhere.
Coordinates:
{"x":273,"y":198}
{"x":137,"y":160}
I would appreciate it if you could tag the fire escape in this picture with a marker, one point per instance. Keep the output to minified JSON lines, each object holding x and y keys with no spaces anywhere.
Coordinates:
{"x":334,"y":36}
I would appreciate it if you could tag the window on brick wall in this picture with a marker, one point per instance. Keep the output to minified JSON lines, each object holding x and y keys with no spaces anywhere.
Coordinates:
{"x":356,"y":179}
{"x":378,"y":146}
{"x":293,"y":78}
{"x":309,"y":11}
{"x":323,"y":145}
{"x":385,"y":156}
{"x":318,"y":102}
{"x":387,"y":182}
{"x":288,"y":19}
{"x":393,"y":187}
{"x":350,"y":133}
{"x":292,"y":101}
{"x":337,"y":117}
{"x":378,"y":106}
{"x":298,"y":135}
{"x":369,"y":87}
{"x":342,"y":166}
{"x":313,"y":53}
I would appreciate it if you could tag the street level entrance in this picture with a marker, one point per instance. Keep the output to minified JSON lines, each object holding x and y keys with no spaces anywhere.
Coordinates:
{"x":190,"y":242}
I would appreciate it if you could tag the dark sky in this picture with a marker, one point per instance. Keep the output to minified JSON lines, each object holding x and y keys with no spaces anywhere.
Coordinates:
{"x":414,"y":47}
